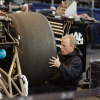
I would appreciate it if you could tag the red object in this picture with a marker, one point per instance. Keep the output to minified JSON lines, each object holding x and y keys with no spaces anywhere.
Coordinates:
{"x":11,"y":25}
{"x":15,"y":4}
{"x":53,"y":9}
{"x":61,"y":5}
{"x":26,"y":8}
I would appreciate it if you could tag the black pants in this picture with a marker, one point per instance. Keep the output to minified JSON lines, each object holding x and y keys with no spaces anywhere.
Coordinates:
{"x":37,"y":89}
{"x":44,"y":88}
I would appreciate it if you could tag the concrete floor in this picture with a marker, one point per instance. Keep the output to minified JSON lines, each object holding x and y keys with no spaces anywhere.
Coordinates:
{"x":88,"y":98}
{"x":90,"y":54}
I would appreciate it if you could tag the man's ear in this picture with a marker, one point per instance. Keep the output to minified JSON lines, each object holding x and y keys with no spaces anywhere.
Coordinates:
{"x":73,"y":47}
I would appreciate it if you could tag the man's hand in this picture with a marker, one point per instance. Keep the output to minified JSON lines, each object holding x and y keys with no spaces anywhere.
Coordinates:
{"x":54,"y":62}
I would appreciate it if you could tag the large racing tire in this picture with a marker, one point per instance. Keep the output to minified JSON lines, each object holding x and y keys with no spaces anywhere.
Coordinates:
{"x":37,"y":44}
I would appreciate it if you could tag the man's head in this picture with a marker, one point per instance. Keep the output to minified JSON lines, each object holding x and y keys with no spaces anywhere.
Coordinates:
{"x":68,"y":44}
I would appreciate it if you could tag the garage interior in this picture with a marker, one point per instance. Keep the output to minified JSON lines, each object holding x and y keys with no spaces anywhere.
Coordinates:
{"x":90,"y":34}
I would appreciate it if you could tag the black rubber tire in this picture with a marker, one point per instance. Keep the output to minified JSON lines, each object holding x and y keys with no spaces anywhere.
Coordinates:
{"x":37,"y":44}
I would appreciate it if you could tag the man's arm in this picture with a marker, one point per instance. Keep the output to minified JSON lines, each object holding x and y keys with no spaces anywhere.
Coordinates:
{"x":70,"y":71}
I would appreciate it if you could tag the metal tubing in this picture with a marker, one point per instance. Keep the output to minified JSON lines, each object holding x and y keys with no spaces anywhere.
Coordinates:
{"x":19,"y":71}
{"x":17,"y":60}
{"x":9,"y":83}
{"x":92,"y":36}
{"x":55,"y":23}
{"x":8,"y":27}
{"x":3,"y":72}
{"x":9,"y":35}
{"x":15,"y":94}
{"x":52,"y":3}
{"x":69,"y":27}
{"x":10,"y":88}
{"x":17,"y":88}
{"x":64,"y":26}
{"x":92,"y":4}
{"x":4,"y":88}
{"x":11,"y":68}
{"x":57,"y":30}
{"x":9,"y":43}
{"x":57,"y":33}
{"x":11,"y":80}
{"x":56,"y":26}
{"x":16,"y":76}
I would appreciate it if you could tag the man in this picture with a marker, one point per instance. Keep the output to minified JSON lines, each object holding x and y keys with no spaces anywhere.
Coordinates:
{"x":68,"y":68}
{"x":68,"y":64}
